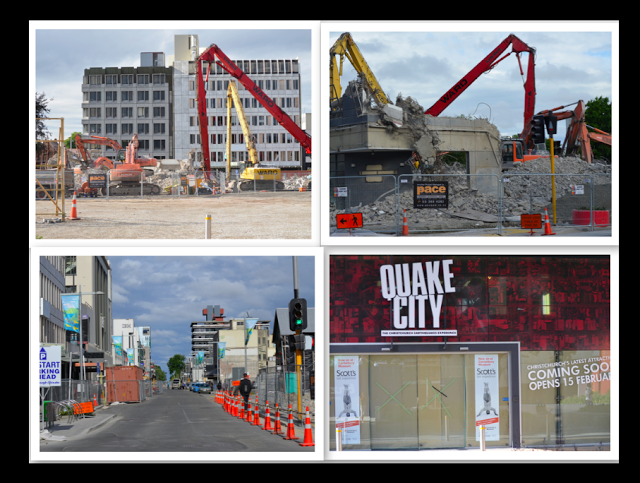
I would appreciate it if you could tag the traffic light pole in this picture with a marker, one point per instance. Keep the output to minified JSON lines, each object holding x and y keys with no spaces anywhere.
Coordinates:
{"x":298,"y":332}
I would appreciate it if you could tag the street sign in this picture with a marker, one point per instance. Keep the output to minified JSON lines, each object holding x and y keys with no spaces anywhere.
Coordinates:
{"x":349,"y":220}
{"x":340,"y":192}
{"x":49,"y":366}
{"x":577,"y":189}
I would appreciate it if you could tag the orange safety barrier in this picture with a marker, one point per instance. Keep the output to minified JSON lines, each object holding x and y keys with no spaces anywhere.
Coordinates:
{"x":83,"y":408}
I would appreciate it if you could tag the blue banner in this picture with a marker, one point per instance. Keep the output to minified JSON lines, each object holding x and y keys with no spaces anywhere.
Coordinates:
{"x":117,"y":342}
{"x":249,"y":325}
{"x":200,"y":357}
{"x":221,"y":348}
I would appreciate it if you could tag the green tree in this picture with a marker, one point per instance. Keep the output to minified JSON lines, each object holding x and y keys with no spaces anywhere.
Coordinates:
{"x":176,"y":364}
{"x":70,"y":142}
{"x":42,"y":111}
{"x":598,"y":115}
{"x":160,"y":374}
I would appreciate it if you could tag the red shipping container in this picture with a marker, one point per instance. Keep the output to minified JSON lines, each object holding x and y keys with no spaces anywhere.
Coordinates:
{"x":124,"y":383}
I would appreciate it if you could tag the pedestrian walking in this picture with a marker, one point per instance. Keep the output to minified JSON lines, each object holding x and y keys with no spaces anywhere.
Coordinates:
{"x":245,"y":389}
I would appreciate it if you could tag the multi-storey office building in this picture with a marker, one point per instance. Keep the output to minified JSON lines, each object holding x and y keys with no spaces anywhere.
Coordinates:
{"x":51,"y":286}
{"x":278,"y":78}
{"x":118,"y":102}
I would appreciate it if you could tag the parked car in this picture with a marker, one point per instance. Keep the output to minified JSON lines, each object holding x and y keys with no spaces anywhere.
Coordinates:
{"x":204,"y":388}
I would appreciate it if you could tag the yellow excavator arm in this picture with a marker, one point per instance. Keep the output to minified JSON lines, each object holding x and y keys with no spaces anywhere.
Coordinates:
{"x":345,"y":46}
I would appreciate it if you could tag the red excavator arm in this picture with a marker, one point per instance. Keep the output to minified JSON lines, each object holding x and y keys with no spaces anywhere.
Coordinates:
{"x":485,"y":65}
{"x":209,"y":56}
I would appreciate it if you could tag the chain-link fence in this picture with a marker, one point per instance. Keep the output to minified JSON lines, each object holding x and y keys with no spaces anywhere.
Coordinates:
{"x":279,"y":384}
{"x":580,"y":200}
{"x":80,"y":391}
{"x":125,"y":391}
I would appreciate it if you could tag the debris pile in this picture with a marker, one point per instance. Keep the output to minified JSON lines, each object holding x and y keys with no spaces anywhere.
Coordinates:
{"x":296,"y":182}
{"x":520,"y":194}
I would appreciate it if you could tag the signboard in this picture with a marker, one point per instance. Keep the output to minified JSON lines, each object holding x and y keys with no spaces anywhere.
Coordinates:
{"x":413,"y":289}
{"x":97,"y":180}
{"x":221,"y":349}
{"x":347,"y":397}
{"x":339,"y":192}
{"x":431,"y":194}
{"x":487,"y":396}
{"x":577,"y":189}
{"x":531,"y":222}
{"x":117,"y":343}
{"x":249,"y":325}
{"x":49,"y":366}
{"x":71,"y":311}
{"x":350,"y":220}
{"x":235,"y":383}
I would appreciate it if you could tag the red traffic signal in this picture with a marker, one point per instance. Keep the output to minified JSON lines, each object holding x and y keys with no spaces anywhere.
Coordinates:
{"x":552,"y":125}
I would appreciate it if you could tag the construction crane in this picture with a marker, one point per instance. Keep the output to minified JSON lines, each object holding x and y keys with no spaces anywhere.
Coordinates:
{"x":209,"y":56}
{"x":346,"y":47}
{"x":252,"y":176}
{"x":485,"y":65}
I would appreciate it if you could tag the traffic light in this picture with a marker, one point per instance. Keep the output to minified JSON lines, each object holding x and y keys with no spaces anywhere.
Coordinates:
{"x":537,"y":129}
{"x":298,"y":314}
{"x":552,"y":125}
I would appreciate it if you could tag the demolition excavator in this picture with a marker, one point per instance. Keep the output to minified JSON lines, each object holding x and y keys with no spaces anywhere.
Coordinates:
{"x":208,"y":57}
{"x":105,"y":163}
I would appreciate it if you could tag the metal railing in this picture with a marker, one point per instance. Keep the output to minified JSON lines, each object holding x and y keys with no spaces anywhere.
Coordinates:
{"x":276,"y":384}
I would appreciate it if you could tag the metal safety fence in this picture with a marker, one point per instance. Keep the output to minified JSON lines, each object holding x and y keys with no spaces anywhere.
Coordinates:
{"x":279,"y":384}
{"x":454,"y":202}
{"x":77,"y":390}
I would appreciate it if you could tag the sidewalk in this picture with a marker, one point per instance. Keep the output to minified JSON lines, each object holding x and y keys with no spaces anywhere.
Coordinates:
{"x":62,"y":430}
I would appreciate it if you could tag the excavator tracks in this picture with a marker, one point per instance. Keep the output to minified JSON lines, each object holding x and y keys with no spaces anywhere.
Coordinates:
{"x":247,"y":185}
{"x":132,"y":190}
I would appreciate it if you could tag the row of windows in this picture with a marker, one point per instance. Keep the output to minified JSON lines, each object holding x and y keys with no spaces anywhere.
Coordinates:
{"x":125,"y":79}
{"x":127,"y":128}
{"x":258,"y":67}
{"x":264,"y":84}
{"x":238,"y":138}
{"x":125,"y":96}
{"x":263,"y":156}
{"x":248,"y":102}
{"x":112,"y":112}
{"x":252,"y":120}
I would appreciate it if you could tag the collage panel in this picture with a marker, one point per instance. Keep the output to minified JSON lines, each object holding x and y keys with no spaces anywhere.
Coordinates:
{"x":437,"y":354}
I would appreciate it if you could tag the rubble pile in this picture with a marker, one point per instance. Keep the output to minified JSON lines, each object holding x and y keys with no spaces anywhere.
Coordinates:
{"x":520,"y":193}
{"x":296,"y":182}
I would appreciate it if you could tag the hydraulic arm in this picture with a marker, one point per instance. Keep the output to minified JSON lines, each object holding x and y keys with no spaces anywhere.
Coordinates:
{"x":209,"y":56}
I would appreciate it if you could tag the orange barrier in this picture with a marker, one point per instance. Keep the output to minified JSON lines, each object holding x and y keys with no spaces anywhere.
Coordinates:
{"x":405,"y":227}
{"x":291,"y":434}
{"x":83,"y":408}
{"x":308,"y":435}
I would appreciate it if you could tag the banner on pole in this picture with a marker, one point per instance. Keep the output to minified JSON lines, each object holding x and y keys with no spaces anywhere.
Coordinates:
{"x":249,"y":325}
{"x":71,"y":311}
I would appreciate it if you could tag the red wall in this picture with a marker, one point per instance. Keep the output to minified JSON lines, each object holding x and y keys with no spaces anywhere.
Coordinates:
{"x":497,"y":298}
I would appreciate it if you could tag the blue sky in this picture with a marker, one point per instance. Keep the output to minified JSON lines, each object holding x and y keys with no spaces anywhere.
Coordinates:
{"x":62,"y":52}
{"x":168,"y":293}
{"x":570,"y":66}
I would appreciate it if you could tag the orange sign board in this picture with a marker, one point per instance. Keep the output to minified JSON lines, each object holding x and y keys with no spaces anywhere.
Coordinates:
{"x":349,"y":220}
{"x":531,"y":222}
{"x":235,"y":383}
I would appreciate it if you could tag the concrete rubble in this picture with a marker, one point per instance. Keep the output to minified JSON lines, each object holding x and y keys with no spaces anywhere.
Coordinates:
{"x":520,"y":193}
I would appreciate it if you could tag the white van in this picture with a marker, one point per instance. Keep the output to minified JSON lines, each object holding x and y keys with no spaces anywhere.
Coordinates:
{"x":175,"y":384}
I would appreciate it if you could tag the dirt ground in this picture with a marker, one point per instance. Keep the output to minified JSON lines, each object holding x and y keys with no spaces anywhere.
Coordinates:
{"x":282,"y":215}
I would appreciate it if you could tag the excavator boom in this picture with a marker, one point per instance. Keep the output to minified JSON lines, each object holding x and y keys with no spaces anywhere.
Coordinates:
{"x":209,"y":56}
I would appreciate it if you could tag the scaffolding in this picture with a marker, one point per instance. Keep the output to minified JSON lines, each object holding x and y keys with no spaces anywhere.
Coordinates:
{"x":50,"y":171}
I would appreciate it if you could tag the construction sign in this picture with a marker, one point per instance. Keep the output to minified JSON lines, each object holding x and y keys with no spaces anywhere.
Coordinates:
{"x":349,"y":220}
{"x":97,"y":180}
{"x":531,"y":222}
{"x":431,"y":194}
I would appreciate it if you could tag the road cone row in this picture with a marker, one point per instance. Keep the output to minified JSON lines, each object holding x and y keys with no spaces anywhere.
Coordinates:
{"x":256,"y":421}
{"x":291,"y":433}
{"x":267,"y":419}
{"x":547,"y":225}
{"x":278,"y":427}
{"x":405,"y":227}
{"x":249,"y":415}
{"x":74,"y":211}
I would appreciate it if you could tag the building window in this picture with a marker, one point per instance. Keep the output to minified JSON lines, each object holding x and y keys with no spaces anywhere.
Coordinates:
{"x":192,"y":138}
{"x":127,"y":112}
{"x":288,"y":83}
{"x":143,"y":128}
{"x":281,"y":84}
{"x":111,"y":79}
{"x":158,"y":144}
{"x":95,"y":80}
{"x":127,"y":78}
{"x":85,"y":113}
{"x":95,"y":112}
{"x":143,"y":112}
{"x":95,"y":128}
{"x":111,"y":96}
{"x":143,"y":79}
{"x":289,"y":138}
{"x":158,"y":112}
{"x":254,"y":120}
{"x":220,"y":139}
{"x":288,"y":65}
{"x":143,"y":96}
{"x":158,"y":78}
{"x":288,"y":102}
{"x":295,"y":84}
{"x":158,"y":128}
{"x":127,"y":129}
{"x":111,"y":128}
{"x":112,"y":112}
{"x":95,"y":96}
{"x":143,"y":144}
{"x":158,"y":96}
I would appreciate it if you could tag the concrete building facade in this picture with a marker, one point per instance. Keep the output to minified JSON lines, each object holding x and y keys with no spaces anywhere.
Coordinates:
{"x":278,"y":78}
{"x":51,"y":287}
{"x":118,"y":102}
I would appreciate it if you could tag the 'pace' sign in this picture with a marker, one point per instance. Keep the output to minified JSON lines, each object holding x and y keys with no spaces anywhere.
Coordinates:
{"x":412,"y":286}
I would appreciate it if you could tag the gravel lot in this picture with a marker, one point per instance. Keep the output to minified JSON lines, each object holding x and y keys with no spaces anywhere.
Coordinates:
{"x":282,"y":215}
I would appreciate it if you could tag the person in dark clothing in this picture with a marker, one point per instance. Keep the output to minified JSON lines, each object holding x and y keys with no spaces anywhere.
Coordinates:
{"x":219,"y":386}
{"x":245,"y":389}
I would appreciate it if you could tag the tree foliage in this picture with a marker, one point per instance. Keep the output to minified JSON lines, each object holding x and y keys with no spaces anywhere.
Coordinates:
{"x":598,"y":115}
{"x":42,"y":111}
{"x":176,"y":364}
{"x":70,"y":142}
{"x":160,"y":374}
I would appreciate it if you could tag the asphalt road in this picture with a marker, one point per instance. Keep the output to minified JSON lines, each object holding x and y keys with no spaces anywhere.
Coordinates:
{"x":176,"y":421}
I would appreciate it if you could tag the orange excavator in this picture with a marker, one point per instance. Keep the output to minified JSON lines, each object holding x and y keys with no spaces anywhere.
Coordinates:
{"x":105,"y":163}
{"x":578,"y":138}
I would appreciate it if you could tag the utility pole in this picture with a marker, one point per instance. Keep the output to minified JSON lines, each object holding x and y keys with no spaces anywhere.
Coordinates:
{"x":298,"y":332}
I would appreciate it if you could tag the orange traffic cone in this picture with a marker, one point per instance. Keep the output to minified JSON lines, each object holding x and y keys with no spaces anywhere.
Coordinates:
{"x":74,"y":211}
{"x":267,"y":419}
{"x":256,"y":420}
{"x":95,"y":402}
{"x":308,"y":435}
{"x":547,"y":225}
{"x":277,"y":426}
{"x":249,"y":415}
{"x":405,"y":227}
{"x":235,"y":407}
{"x":291,"y":434}
{"x":241,"y":415}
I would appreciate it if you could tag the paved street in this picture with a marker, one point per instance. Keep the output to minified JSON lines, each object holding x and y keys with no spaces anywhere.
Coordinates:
{"x":175,"y":421}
